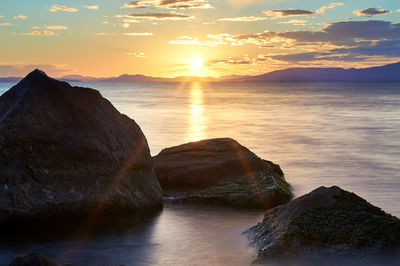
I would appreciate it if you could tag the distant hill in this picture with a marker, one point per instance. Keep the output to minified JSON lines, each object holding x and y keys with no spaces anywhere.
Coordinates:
{"x":387,"y":73}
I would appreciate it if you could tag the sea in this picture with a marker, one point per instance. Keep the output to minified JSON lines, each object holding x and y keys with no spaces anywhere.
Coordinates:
{"x":321,"y":134}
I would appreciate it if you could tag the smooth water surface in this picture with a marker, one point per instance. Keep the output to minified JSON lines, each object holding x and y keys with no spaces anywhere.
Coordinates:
{"x":322,"y":134}
{"x":345,"y":134}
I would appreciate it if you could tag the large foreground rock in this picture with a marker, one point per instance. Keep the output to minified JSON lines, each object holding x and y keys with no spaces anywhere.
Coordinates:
{"x":67,"y":151}
{"x":220,"y":171}
{"x":327,"y":219}
{"x":33,"y":259}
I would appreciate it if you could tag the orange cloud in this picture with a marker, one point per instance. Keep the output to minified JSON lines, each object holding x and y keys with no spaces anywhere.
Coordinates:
{"x":56,"y":8}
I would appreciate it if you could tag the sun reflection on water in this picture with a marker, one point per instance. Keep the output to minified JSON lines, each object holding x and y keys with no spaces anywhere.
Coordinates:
{"x":197,"y":122}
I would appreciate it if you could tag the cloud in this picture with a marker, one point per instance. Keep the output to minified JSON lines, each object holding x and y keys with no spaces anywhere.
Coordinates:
{"x":280,"y":13}
{"x":168,"y":4}
{"x":1,"y":16}
{"x":374,"y":48}
{"x":244,"y":19}
{"x":56,"y":27}
{"x":216,"y":40}
{"x":21,"y":70}
{"x":56,"y":8}
{"x":137,"y":54}
{"x":232,"y":61}
{"x":316,"y":56}
{"x":92,"y":7}
{"x":297,"y":22}
{"x":240,"y":3}
{"x":338,"y":33}
{"x":324,"y":8}
{"x":39,"y":33}
{"x":138,"y":34}
{"x":348,"y":41}
{"x":5,"y":24}
{"x":157,"y":16}
{"x":35,"y":27}
{"x":20,"y":16}
{"x":370,"y":11}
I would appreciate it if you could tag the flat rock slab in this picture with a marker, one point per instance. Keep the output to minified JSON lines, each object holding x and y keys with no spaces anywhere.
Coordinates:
{"x":326,"y":219}
{"x":66,"y":151}
{"x":220,"y":171}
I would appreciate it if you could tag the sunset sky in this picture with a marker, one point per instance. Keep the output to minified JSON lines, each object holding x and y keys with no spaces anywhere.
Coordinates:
{"x":171,"y":38}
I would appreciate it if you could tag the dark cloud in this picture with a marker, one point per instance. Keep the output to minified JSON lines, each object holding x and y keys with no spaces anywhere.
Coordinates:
{"x":158,"y":16}
{"x":339,"y":33}
{"x":315,"y":56}
{"x":288,"y":12}
{"x":374,"y":48}
{"x":168,"y":4}
{"x":371,"y":11}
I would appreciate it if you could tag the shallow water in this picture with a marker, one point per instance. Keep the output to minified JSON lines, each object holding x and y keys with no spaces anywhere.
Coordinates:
{"x":179,"y":235}
{"x":345,"y":134}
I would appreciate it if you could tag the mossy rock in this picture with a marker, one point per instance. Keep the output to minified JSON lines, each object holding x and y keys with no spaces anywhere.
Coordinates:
{"x":328,"y":219}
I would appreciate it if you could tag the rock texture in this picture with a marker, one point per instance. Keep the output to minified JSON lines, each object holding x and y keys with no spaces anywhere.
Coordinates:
{"x":33,"y":259}
{"x":327,"y":219}
{"x":66,"y":151}
{"x":220,"y":171}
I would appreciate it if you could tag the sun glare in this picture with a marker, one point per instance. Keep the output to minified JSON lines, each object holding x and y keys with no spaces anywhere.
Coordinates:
{"x":196,"y":63}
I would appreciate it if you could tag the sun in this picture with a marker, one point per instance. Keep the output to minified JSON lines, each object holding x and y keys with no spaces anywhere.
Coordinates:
{"x":196,"y":63}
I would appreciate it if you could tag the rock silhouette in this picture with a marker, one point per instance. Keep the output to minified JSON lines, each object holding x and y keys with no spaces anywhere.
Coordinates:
{"x":66,"y":151}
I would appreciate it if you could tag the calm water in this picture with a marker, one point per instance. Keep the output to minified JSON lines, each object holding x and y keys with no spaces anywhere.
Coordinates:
{"x":321,"y":134}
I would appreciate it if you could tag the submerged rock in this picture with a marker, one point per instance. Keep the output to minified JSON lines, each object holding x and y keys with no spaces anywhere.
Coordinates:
{"x":326,"y":219}
{"x":32,"y":259}
{"x":220,"y":171}
{"x":66,"y":151}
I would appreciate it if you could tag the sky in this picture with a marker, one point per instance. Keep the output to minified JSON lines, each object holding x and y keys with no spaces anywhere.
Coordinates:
{"x":169,"y":38}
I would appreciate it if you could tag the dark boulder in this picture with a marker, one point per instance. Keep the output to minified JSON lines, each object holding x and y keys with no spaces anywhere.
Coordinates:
{"x":66,"y":151}
{"x":220,"y":171}
{"x":32,"y":259}
{"x":326,"y":219}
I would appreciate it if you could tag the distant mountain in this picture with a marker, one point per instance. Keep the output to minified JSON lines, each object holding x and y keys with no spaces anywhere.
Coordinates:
{"x":137,"y":78}
{"x":71,"y":78}
{"x":387,"y":73}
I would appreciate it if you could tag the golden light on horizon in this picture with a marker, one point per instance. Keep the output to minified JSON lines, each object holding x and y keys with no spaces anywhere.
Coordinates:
{"x":196,"y":63}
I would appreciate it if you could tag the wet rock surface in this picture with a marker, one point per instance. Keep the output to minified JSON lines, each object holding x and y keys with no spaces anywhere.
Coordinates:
{"x":220,"y":171}
{"x":66,"y":151}
{"x":33,"y":259}
{"x":326,"y":219}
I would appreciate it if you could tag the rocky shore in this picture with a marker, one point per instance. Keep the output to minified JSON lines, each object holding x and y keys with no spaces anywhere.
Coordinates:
{"x":66,"y":152}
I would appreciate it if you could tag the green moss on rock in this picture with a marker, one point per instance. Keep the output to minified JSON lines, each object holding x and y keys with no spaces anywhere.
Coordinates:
{"x":330,"y":219}
{"x":351,"y":221}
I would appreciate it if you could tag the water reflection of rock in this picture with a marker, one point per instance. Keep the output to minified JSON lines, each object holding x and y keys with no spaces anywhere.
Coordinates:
{"x":129,"y":236}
